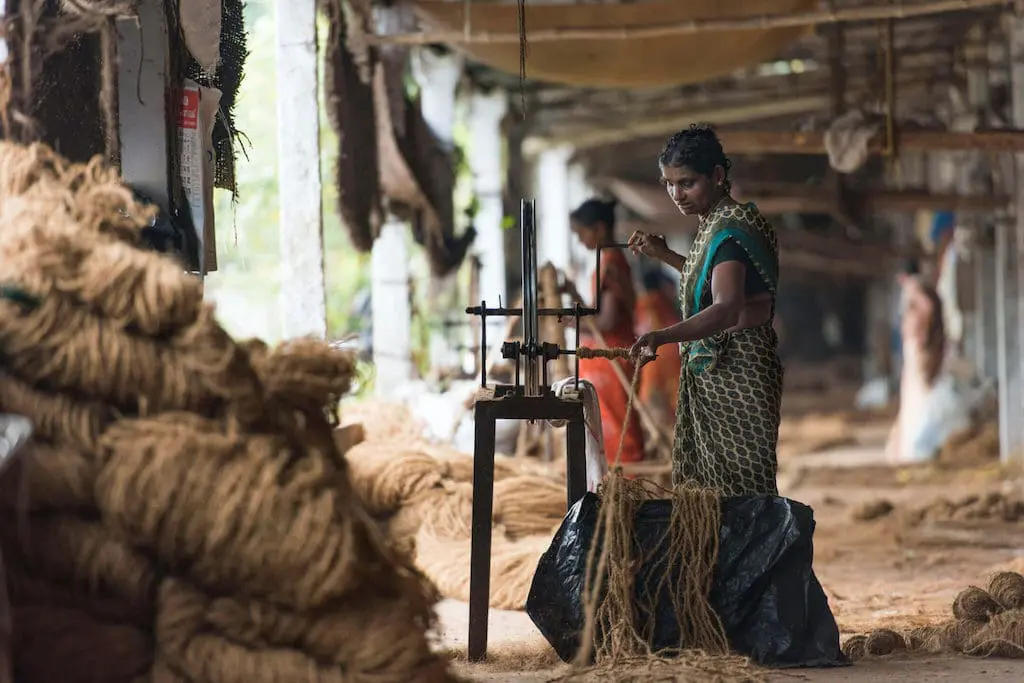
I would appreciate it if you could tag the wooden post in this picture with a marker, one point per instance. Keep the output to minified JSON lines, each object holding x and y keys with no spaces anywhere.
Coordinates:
{"x":303,"y":295}
{"x":1010,"y":256}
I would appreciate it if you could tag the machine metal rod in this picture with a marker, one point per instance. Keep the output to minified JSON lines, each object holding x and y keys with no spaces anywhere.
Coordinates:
{"x":542,"y":312}
{"x":531,"y":323}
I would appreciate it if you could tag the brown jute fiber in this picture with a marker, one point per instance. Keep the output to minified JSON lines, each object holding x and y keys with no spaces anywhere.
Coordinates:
{"x":49,"y":479}
{"x":234,"y":641}
{"x":982,"y":626}
{"x":446,"y":563}
{"x":423,"y":495}
{"x":107,"y":276}
{"x":185,"y":515}
{"x":112,"y":652}
{"x":975,"y":604}
{"x":276,"y":525}
{"x":88,"y":558}
{"x":304,"y":374}
{"x":1007,"y":589}
{"x":57,"y":417}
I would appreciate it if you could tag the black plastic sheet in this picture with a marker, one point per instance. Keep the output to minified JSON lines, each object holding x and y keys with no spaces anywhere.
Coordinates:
{"x":764,"y":589}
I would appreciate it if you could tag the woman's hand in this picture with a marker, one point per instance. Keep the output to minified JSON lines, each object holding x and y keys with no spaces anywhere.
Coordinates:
{"x":645,"y":349}
{"x":653,"y":246}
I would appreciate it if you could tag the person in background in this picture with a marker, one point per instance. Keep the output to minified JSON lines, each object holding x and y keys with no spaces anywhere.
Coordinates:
{"x":593,"y":222}
{"x":659,"y":379}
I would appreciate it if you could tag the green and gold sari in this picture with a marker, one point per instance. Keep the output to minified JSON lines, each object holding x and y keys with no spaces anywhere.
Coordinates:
{"x":730,"y":386}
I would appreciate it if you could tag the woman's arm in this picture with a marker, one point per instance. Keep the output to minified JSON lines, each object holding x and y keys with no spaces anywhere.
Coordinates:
{"x":672,"y":259}
{"x":654,"y":246}
{"x":727,"y":299}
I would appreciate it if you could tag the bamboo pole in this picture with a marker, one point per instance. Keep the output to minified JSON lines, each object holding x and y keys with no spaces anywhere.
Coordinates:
{"x":645,"y":32}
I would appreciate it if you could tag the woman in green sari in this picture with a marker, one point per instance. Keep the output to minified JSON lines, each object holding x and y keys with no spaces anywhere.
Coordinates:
{"x":730,"y":386}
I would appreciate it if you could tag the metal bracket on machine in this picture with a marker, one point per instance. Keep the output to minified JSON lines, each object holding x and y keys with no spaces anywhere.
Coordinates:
{"x":531,"y":355}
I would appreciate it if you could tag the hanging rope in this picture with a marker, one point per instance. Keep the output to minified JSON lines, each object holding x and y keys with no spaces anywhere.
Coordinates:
{"x":618,"y":623}
{"x":587,"y":352}
{"x":523,"y":49}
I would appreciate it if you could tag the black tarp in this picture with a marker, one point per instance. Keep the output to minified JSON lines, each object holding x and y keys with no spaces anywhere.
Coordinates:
{"x":764,"y":589}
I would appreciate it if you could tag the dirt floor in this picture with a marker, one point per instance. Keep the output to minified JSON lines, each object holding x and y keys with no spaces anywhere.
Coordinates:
{"x":876,"y":573}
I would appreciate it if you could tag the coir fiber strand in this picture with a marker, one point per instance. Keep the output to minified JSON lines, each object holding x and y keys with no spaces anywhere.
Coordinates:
{"x":616,"y":640}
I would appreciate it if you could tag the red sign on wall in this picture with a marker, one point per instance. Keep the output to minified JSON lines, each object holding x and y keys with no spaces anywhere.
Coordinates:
{"x":188,"y":117}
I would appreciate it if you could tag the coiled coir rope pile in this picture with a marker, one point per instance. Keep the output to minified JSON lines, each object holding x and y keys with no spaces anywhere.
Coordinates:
{"x":985,"y":623}
{"x":183,"y":514}
{"x":422,"y":495}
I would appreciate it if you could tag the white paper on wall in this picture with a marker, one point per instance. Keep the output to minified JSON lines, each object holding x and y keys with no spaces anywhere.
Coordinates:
{"x":198,"y":113}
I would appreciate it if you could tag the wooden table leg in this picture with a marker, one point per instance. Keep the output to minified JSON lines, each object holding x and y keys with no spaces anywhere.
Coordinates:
{"x":480,"y":548}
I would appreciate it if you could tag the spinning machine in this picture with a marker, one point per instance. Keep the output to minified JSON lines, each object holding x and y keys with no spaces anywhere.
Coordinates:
{"x":530,"y":397}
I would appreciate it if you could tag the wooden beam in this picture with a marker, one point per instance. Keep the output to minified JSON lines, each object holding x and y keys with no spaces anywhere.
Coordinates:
{"x":773,"y":199}
{"x":642,"y":32}
{"x":656,"y":126}
{"x":791,"y":142}
{"x":631,"y":126}
{"x":904,"y":201}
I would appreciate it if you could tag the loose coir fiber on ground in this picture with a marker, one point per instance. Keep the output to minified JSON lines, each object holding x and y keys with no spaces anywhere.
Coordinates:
{"x":985,"y":623}
{"x":182,"y":514}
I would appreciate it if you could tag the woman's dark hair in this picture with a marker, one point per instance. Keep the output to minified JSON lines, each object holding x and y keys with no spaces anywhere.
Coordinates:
{"x":699,"y":148}
{"x":594,"y":211}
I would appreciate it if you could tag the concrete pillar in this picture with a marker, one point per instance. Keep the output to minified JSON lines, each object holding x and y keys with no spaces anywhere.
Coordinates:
{"x":392,"y":312}
{"x":303,"y":287}
{"x":579,"y":190}
{"x":486,"y":162}
{"x":438,"y":75}
{"x":551,"y":190}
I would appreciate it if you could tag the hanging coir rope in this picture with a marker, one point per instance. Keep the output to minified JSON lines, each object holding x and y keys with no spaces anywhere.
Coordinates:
{"x":619,"y":628}
{"x":524,"y":48}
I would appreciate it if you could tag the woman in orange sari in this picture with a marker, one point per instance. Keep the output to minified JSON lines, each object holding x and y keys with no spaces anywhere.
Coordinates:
{"x":593,"y":222}
{"x":659,"y":379}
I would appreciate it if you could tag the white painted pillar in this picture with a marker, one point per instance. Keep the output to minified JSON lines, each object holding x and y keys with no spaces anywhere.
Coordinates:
{"x":438,"y":75}
{"x":551,"y":190}
{"x":303,"y":292}
{"x":579,"y":190}
{"x":391,"y":309}
{"x":1010,"y":255}
{"x":486,"y":111}
{"x":142,"y":48}
{"x":487,"y":164}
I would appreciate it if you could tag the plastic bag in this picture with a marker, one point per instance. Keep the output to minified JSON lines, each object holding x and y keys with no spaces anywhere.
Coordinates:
{"x":765,"y":591}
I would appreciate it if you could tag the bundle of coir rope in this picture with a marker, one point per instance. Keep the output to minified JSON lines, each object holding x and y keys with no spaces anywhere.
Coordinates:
{"x":985,"y":623}
{"x":422,"y":496}
{"x":183,"y":514}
